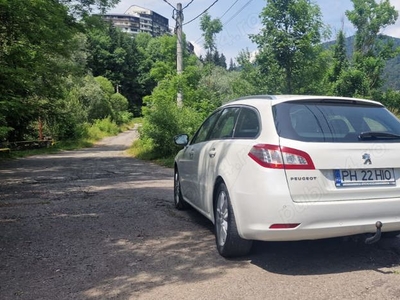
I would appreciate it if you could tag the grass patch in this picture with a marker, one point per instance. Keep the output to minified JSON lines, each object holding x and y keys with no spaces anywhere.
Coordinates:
{"x":166,"y":162}
{"x":145,"y":151}
{"x":57,"y":147}
{"x":142,"y":150}
{"x":101,"y":129}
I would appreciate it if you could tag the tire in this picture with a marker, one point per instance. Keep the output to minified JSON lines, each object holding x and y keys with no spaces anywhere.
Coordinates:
{"x":179,"y":203}
{"x":229,"y":243}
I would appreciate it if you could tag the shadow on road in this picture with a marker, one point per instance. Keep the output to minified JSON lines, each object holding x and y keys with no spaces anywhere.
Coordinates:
{"x":94,"y":224}
{"x":326,"y":256}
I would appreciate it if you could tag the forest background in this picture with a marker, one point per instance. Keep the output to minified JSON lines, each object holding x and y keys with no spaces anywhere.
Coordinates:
{"x":68,"y":72}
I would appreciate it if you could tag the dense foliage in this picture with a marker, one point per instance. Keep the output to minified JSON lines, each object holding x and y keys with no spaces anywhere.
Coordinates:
{"x":291,"y":59}
{"x":47,"y":78}
{"x":65,"y":69}
{"x":289,"y":43}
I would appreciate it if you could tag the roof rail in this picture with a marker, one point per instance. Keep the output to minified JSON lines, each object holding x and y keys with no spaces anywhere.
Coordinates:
{"x":267,"y":97}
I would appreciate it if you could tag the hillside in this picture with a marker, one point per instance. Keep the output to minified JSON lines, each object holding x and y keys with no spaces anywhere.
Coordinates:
{"x":392,"y":70}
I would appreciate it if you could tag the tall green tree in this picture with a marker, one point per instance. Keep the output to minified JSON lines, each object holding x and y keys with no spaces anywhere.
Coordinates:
{"x":210,"y":28}
{"x":39,"y":48}
{"x":371,"y":50}
{"x":36,"y":41}
{"x":340,"y":60}
{"x":369,"y":18}
{"x":232,"y":65}
{"x":290,"y":41}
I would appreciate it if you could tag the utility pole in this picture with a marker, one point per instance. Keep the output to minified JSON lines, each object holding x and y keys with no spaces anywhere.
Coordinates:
{"x":179,"y":52}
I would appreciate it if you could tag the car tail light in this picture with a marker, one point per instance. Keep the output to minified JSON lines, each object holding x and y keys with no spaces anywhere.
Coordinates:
{"x":275,"y":157}
{"x":284,"y":226}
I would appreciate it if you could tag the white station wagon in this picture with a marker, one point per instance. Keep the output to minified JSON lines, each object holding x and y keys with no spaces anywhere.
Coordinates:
{"x":289,"y":168}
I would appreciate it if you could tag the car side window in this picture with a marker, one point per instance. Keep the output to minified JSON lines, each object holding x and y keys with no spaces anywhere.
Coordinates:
{"x":204,"y":131}
{"x":226,"y":123}
{"x":248,"y":125}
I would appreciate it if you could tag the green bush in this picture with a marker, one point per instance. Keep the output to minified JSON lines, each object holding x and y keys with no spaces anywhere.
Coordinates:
{"x":4,"y":130}
{"x":94,"y":133}
{"x":124,"y":117}
{"x":102,"y":128}
{"x":163,"y":120}
{"x":119,"y":105}
{"x":391,"y":99}
{"x":107,"y":126}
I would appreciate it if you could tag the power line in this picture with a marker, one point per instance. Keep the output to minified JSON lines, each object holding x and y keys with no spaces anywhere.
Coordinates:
{"x":238,"y":12}
{"x":201,"y":13}
{"x":234,"y":16}
{"x":169,"y":4}
{"x":188,"y":4}
{"x":228,"y":9}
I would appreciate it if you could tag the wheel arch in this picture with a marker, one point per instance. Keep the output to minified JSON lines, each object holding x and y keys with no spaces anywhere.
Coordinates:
{"x":234,"y":244}
{"x":217,"y":182}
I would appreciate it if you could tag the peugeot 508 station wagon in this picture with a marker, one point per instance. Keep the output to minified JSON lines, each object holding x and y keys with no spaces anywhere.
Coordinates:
{"x":289,"y":168}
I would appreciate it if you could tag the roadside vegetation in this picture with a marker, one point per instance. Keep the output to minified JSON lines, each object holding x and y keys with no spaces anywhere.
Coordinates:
{"x":94,"y":132}
{"x":291,"y":59}
{"x":78,"y":78}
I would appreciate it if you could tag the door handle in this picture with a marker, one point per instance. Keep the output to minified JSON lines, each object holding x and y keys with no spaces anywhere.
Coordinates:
{"x":212,"y":153}
{"x":191,"y":154}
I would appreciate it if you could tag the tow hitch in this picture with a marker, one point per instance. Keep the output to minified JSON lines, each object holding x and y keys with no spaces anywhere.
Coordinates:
{"x":377,"y":236}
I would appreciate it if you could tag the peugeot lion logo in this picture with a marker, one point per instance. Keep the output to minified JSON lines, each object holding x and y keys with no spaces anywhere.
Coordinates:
{"x":367,"y":159}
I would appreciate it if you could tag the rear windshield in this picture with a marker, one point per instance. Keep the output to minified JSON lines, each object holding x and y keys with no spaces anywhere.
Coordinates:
{"x":321,"y":121}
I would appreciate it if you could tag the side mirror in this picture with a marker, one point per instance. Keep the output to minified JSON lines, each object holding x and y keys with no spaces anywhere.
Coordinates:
{"x":181,"y":139}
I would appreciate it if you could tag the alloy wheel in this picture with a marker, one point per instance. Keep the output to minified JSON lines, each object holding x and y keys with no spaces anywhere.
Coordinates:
{"x":221,"y":220}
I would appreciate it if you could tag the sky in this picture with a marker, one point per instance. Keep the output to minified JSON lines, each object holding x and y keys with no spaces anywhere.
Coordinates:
{"x":241,"y":18}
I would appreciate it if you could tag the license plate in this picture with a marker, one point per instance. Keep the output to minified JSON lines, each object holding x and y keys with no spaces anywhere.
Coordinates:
{"x":364,"y":177}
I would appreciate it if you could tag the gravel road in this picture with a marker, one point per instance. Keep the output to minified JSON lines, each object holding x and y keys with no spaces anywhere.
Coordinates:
{"x":97,"y":224}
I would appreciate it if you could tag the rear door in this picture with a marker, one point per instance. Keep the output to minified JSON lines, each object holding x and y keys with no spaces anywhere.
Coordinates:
{"x":353,"y":146}
{"x":220,"y":138}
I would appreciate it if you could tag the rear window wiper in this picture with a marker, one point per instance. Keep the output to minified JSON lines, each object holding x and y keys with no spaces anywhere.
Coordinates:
{"x":372,"y":135}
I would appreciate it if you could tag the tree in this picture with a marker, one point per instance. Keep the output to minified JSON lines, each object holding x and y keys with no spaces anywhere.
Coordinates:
{"x":369,"y":18}
{"x":95,"y":98}
{"x":210,"y":28}
{"x":340,"y":61}
{"x":251,"y":81}
{"x":222,"y":61}
{"x":232,"y":65}
{"x":352,"y":83}
{"x":36,"y":43}
{"x":289,"y":42}
{"x":84,"y":7}
{"x":113,"y":54}
{"x":371,"y":50}
{"x":146,"y":82}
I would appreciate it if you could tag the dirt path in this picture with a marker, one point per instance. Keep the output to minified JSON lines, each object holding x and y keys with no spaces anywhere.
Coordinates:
{"x":96,"y":224}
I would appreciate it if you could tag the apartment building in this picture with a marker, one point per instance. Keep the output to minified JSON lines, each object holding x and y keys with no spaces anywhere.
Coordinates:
{"x":138,"y":19}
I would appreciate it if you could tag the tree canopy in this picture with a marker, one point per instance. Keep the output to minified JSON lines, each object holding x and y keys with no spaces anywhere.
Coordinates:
{"x":66,"y":68}
{"x":289,"y":42}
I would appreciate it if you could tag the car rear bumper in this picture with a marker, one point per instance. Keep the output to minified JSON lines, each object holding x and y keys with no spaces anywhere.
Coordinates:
{"x":264,"y":199}
{"x":316,"y":220}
